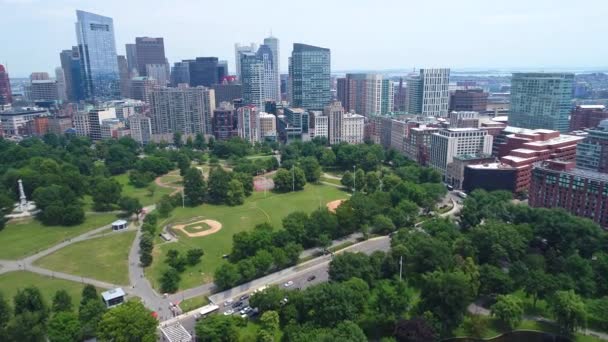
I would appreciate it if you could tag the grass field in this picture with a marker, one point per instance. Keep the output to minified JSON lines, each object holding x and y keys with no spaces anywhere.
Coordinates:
{"x":22,"y":238}
{"x":196,"y":227}
{"x":13,"y":281}
{"x":193,"y":303}
{"x":103,"y":258}
{"x":142,"y":194}
{"x":256,"y":209}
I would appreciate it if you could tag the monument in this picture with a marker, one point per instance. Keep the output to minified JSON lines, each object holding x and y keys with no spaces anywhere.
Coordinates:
{"x":24,"y":208}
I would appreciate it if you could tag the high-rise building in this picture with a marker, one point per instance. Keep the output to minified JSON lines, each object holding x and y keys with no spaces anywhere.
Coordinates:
{"x":5,"y":87}
{"x":417,"y":144}
{"x":559,"y":184}
{"x":587,"y":116}
{"x":95,"y":121}
{"x":180,"y":73}
{"x":224,"y":123}
{"x":222,"y":70}
{"x":399,"y":97}
{"x":363,"y":93}
{"x":541,"y":100}
{"x":252,"y":78}
{"x":309,"y":77}
{"x":270,"y":73}
{"x":268,"y":126}
{"x":60,"y":79}
{"x":321,"y":126}
{"x":248,"y":124}
{"x":125,"y":79}
{"x":186,"y":110}
{"x":131,"y":51}
{"x":203,"y":71}
{"x":464,"y":119}
{"x":42,"y":90}
{"x":72,"y":70}
{"x":273,"y":44}
{"x":226,"y":92}
{"x":97,"y":48}
{"x":141,"y":87}
{"x":592,"y":152}
{"x":149,"y":51}
{"x":40,"y":76}
{"x":428,"y":93}
{"x":469,"y":100}
{"x":159,"y":72}
{"x":451,"y":142}
{"x":334,"y":113}
{"x":238,"y":49}
{"x":352,"y":128}
{"x":387,"y":98}
{"x":141,"y":128}
{"x":298,"y":119}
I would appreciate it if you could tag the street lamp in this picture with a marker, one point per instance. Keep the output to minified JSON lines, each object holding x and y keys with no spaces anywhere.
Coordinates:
{"x":354,"y":179}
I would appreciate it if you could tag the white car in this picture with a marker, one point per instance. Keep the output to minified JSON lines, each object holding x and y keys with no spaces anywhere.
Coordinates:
{"x":228,"y":312}
{"x":288,"y":284}
{"x":228,"y":302}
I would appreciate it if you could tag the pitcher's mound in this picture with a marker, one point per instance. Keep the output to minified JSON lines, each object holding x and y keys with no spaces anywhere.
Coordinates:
{"x":206,"y":227}
{"x":333,"y":205}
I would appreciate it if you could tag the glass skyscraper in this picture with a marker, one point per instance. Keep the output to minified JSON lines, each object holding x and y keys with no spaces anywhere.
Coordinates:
{"x":309,"y":77}
{"x":95,"y":34}
{"x":541,"y":100}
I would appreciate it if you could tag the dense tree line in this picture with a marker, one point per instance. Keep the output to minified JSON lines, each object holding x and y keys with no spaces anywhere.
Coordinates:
{"x":221,"y":187}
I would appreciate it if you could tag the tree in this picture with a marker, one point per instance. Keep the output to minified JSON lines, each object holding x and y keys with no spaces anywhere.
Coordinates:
{"x":236,"y":193}
{"x":30,"y":300}
{"x":6,"y":206}
{"x":475,"y":325}
{"x":218,"y":184}
{"x":169,"y":281}
{"x":348,"y":265}
{"x":88,"y":293}
{"x":494,"y":281}
{"x":359,"y":180}
{"x":5,"y":316}
{"x":193,"y":256}
{"x":382,"y":225}
{"x":130,"y":205}
{"x":288,"y":180}
{"x":183,"y":163}
{"x":89,"y":315}
{"x":498,"y":241}
{"x":269,"y":299}
{"x":130,"y":321}
{"x":372,"y":181}
{"x":414,"y":330}
{"x":569,"y":311}
{"x":270,"y":321}
{"x":28,"y":326}
{"x":199,"y":141}
{"x":62,"y":301}
{"x":194,"y":187}
{"x":328,"y":158}
{"x":347,"y":180}
{"x":105,"y":193}
{"x":294,"y":225}
{"x":217,"y":328}
{"x":226,"y":276}
{"x":246,"y":180}
{"x":311,"y":168}
{"x":165,"y":206}
{"x":509,"y":310}
{"x":538,"y":284}
{"x":177,"y":139}
{"x":64,"y":327}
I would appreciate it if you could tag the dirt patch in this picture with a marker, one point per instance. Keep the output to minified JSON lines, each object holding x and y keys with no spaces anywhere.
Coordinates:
{"x":333,"y":205}
{"x":204,"y":227}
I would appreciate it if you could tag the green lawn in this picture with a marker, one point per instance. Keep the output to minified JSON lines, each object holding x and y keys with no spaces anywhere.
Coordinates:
{"x":142,"y":194}
{"x":256,"y":209}
{"x":22,"y":238}
{"x":13,"y":281}
{"x":193,"y":303}
{"x":331,"y":180}
{"x":103,"y":258}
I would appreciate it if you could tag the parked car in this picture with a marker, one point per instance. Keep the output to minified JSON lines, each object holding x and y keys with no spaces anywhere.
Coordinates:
{"x":312,"y":277}
{"x":244,"y":297}
{"x":288,"y":284}
{"x":228,"y":302}
{"x":237,"y":304}
{"x":228,"y":312}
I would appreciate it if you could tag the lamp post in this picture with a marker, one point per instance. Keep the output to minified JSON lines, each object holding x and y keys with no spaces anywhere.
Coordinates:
{"x":354,"y":179}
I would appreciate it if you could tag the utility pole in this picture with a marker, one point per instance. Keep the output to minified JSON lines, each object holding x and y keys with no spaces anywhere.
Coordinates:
{"x":400,"y":267}
{"x":354,"y":179}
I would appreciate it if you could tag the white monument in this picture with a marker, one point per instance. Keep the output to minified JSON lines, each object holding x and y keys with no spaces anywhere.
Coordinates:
{"x":24,"y":208}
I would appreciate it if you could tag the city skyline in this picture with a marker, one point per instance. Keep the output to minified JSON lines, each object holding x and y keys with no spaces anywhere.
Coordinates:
{"x":530,"y":36}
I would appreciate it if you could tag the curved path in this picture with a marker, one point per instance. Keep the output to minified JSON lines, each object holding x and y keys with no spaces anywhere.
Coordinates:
{"x":176,"y":189}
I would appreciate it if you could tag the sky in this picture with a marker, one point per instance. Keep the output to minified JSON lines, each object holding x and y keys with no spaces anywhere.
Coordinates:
{"x":362,"y":34}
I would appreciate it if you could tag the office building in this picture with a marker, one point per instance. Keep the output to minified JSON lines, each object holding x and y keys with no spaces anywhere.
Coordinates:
{"x":271,"y":91}
{"x":398,"y":133}
{"x":366,"y":94}
{"x":72,"y":70}
{"x":524,"y":147}
{"x":149,"y":51}
{"x":464,"y":119}
{"x":491,"y":176}
{"x":248,"y":124}
{"x":5,"y":87}
{"x":141,"y":87}
{"x":334,"y":113}
{"x":455,"y":172}
{"x":268,"y":126}
{"x":39,"y":76}
{"x":449,"y":143}
{"x":273,"y":44}
{"x":559,"y":184}
{"x":185,"y":109}
{"x":428,"y":93}
{"x":321,"y":126}
{"x":592,"y":152}
{"x":387,"y":98}
{"x":252,"y":78}
{"x":227,"y":92}
{"x":111,"y":128}
{"x":469,"y":100}
{"x":309,"y":77}
{"x":81,"y":124}
{"x":99,"y":62}
{"x":180,"y":73}
{"x":417,"y":143}
{"x":203,"y":71}
{"x":222,"y":70}
{"x":131,"y":51}
{"x":59,"y":124}
{"x":238,"y":49}
{"x":541,"y":100}
{"x":224,"y":122}
{"x":399,"y":97}
{"x":297,"y":119}
{"x":141,"y":128}
{"x":353,"y":128}
{"x":587,"y":116}
{"x":159,"y":72}
{"x":60,"y":79}
{"x":42,"y":90}
{"x":125,"y":77}
{"x":13,"y":121}
{"x":96,"y":119}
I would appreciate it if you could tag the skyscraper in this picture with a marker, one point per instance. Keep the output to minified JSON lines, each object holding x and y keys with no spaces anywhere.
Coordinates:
{"x":222,"y":70}
{"x":149,"y":51}
{"x":366,"y":94}
{"x":335,"y":113}
{"x":60,"y":78}
{"x":97,"y":48}
{"x":70,"y":63}
{"x":273,"y":44}
{"x":186,"y":110}
{"x":248,"y":124}
{"x":541,"y":100}
{"x":309,"y":76}
{"x":252,"y":78}
{"x":180,"y":73}
{"x":125,"y":79}
{"x":5,"y":87}
{"x":203,"y":71}
{"x":270,"y":73}
{"x":238,"y":49}
{"x":131,"y":57}
{"x":428,"y":93}
{"x":592,"y":152}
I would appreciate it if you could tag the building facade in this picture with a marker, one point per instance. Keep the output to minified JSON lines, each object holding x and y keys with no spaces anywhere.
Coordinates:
{"x":186,"y":110}
{"x":309,"y":77}
{"x":464,"y":119}
{"x":418,"y":143}
{"x":274,"y":92}
{"x":71,"y":65}
{"x":587,"y":116}
{"x":490,"y":177}
{"x":469,"y":100}
{"x":449,"y":143}
{"x":99,"y":62}
{"x":248,"y":124}
{"x":268,"y":126}
{"x":366,"y":94}
{"x":224,"y":122}
{"x":455,"y":171}
{"x":353,"y":128}
{"x":592,"y":152}
{"x":141,"y":128}
{"x":238,"y":49}
{"x":149,"y":51}
{"x":203,"y":71}
{"x":541,"y":100}
{"x":435,"y":92}
{"x":6,"y":96}
{"x":227,"y":92}
{"x":334,"y":113}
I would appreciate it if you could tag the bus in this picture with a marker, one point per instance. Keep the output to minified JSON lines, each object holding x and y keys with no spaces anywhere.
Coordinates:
{"x":461,"y":194}
{"x":207,"y":310}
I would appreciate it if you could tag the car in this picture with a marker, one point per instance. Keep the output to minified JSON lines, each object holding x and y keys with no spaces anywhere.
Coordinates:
{"x":288,"y":284}
{"x":228,"y":302}
{"x":244,"y":297}
{"x":237,"y":304}
{"x":284,"y":301}
{"x":244,"y":316}
{"x":245,"y":310}
{"x":228,"y":312}
{"x":312,"y":277}
{"x":254,"y":312}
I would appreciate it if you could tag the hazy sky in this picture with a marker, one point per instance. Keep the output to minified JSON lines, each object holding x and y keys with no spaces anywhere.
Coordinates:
{"x":362,"y":34}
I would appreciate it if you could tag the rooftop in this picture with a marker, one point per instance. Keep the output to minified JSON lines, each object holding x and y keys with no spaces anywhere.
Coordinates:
{"x":119,"y":222}
{"x":112,"y":294}
{"x":176,"y":333}
{"x":592,"y":106}
{"x":592,"y":175}
{"x":493,"y":166}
